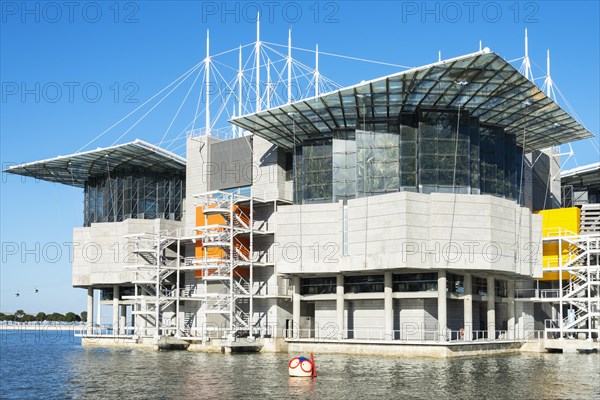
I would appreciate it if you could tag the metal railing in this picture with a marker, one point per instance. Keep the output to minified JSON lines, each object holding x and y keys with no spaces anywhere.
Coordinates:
{"x":328,"y":333}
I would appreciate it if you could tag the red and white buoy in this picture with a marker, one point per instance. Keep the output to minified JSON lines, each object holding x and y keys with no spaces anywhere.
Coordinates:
{"x":303,"y":367}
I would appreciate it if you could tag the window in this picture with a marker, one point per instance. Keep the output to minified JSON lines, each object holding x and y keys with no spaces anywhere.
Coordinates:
{"x":363,"y":284}
{"x":131,"y":194}
{"x":426,"y":150}
{"x":455,"y":283}
{"x":325,"y":285}
{"x":415,"y":282}
{"x":480,"y":286}
{"x":501,"y":288}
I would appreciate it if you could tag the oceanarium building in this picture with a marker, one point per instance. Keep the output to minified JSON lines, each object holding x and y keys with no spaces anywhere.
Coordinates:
{"x":398,"y":210}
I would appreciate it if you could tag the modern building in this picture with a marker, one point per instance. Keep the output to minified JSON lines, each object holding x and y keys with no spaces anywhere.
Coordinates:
{"x":396,"y":210}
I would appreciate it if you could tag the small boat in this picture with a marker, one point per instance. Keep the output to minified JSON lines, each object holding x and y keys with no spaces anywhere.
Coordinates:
{"x":302,"y":367}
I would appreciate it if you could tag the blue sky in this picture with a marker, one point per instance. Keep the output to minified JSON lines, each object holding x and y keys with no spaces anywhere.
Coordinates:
{"x":130,"y":50}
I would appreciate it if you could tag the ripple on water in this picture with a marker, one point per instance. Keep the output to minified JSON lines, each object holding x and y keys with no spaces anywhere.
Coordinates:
{"x":62,"y":369}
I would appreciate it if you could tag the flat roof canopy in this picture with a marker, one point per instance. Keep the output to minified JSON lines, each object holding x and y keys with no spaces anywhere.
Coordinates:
{"x":76,"y":168}
{"x":587,"y":176}
{"x":483,"y":83}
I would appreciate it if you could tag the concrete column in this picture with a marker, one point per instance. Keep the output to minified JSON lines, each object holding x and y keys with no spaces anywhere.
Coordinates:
{"x":511,"y":309}
{"x":115,"y":314}
{"x":296,"y":307}
{"x":442,"y":306}
{"x":90,"y":310}
{"x":491,"y":307}
{"x":123,"y":319}
{"x":339,"y":305}
{"x":388,"y":306}
{"x":468,"y":307}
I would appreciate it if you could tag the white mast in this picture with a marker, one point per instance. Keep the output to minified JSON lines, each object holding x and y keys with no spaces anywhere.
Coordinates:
{"x":233,"y":127}
{"x":439,"y":56}
{"x":548,"y":84}
{"x":207,"y":82}
{"x":317,"y":72}
{"x":526,"y":65}
{"x":240,"y":78}
{"x":257,"y":62}
{"x":268,"y":84}
{"x":289,"y":68}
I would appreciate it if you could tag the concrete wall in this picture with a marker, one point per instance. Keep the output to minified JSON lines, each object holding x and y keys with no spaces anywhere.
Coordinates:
{"x":325,"y":319}
{"x":410,"y":230}
{"x":545,"y":179}
{"x":524,"y":321}
{"x":197,"y":175}
{"x":269,"y":171}
{"x":414,"y":317}
{"x":101,"y":251}
{"x":364,"y":318}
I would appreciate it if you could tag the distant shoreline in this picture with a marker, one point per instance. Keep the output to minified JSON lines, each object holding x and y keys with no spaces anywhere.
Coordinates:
{"x":38,"y":326}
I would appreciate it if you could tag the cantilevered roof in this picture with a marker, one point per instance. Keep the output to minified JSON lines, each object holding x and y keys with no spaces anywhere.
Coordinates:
{"x":76,"y":168}
{"x":587,"y":176}
{"x":483,"y":83}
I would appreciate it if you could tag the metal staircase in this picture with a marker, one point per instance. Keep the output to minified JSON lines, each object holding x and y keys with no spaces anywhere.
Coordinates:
{"x":590,"y":218}
{"x":578,"y":294}
{"x":226,"y":236}
{"x":155,"y":289}
{"x":218,"y":279}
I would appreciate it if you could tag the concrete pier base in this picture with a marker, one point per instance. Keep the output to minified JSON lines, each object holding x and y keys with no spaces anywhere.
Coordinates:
{"x":441,"y":350}
{"x":390,"y":348}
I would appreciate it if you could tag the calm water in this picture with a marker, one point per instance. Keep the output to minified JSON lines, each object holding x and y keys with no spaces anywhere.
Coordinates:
{"x":56,"y":366}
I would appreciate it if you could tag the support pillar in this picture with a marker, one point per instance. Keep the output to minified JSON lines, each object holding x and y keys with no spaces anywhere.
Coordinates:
{"x":115,"y":314}
{"x":339,"y":305}
{"x":123,"y":319}
{"x":388,"y":305}
{"x":510,"y":325}
{"x":90,"y":310}
{"x":491,"y":307}
{"x":468,"y":307}
{"x":296,"y":307}
{"x":442,"y":306}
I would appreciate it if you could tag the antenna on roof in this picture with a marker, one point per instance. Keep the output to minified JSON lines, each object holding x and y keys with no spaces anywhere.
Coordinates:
{"x":526,"y":65}
{"x":439,"y":56}
{"x":479,"y":45}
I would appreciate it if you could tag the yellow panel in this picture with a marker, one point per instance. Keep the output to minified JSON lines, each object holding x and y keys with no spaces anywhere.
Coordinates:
{"x":558,"y":222}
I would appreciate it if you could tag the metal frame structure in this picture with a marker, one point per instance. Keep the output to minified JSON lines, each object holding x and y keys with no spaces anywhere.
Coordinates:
{"x":580,"y":293}
{"x":230,"y":257}
{"x":154,"y":291}
{"x":222,"y":267}
{"x":489,"y":88}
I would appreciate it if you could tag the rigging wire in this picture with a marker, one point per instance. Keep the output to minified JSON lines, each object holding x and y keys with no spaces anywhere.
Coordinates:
{"x":136,"y":109}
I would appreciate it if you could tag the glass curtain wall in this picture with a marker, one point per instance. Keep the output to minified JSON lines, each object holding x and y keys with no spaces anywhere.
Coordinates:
{"x":120,"y":196}
{"x":428,"y":151}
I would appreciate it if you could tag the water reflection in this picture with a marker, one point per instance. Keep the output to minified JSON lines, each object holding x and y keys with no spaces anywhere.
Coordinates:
{"x":302,"y":387}
{"x":64,"y":370}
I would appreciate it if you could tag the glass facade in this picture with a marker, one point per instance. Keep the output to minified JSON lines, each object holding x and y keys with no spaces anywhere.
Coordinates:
{"x":124,"y":195}
{"x":363,"y":284}
{"x":420,"y":282}
{"x":324,"y":285}
{"x":426,"y":151}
